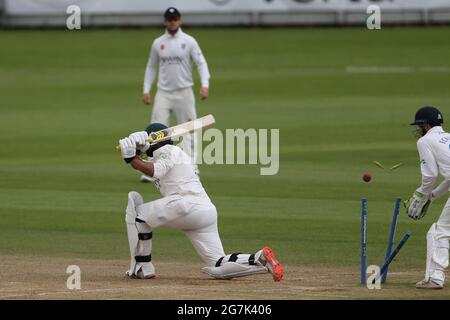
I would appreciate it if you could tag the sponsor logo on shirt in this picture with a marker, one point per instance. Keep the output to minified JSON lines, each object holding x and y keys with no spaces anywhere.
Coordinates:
{"x":162,"y":46}
{"x":172,"y":60}
{"x":183,"y":46}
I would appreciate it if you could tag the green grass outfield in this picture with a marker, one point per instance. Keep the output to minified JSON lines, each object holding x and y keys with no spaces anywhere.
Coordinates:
{"x":66,"y":98}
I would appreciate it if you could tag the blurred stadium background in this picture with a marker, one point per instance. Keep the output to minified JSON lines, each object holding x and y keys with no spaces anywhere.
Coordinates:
{"x":52,"y":13}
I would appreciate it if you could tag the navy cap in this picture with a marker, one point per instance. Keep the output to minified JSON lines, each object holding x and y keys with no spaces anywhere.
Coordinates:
{"x":428,"y":115}
{"x":172,"y":12}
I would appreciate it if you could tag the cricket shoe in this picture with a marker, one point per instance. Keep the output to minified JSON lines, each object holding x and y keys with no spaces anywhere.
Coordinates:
{"x":140,"y":275}
{"x":430,"y":284}
{"x":268,"y":259}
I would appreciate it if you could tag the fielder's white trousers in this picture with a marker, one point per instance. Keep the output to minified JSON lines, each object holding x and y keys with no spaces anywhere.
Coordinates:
{"x":196,"y":216}
{"x":437,"y":247}
{"x":181,"y":103}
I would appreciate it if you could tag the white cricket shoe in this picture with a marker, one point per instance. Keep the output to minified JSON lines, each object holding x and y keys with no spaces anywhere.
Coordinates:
{"x":430,"y":284}
{"x":149,"y":271}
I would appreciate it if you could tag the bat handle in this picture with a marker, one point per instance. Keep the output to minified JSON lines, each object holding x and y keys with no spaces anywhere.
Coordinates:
{"x":150,"y":140}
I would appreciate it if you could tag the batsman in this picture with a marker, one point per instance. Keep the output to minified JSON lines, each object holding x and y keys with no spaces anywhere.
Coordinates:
{"x":186,"y":206}
{"x":434,"y":151}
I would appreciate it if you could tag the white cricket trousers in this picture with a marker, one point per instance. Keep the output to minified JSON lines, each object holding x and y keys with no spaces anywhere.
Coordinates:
{"x":182,"y":104}
{"x":437,"y":247}
{"x":195,"y":216}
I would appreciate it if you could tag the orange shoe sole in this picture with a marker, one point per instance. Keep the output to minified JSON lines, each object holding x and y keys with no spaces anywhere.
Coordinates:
{"x":272,"y":264}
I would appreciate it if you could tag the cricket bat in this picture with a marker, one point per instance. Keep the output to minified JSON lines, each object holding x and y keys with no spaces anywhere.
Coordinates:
{"x":179,"y":130}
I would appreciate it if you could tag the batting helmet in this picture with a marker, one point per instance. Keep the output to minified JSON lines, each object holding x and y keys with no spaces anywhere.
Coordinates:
{"x":154,"y":127}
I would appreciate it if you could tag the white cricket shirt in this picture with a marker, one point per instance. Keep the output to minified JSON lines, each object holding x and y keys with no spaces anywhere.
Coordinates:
{"x":434,"y":152}
{"x":175,"y":174}
{"x":175,"y":55}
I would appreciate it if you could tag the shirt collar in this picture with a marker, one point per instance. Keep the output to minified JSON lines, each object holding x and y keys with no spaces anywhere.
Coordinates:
{"x":177,"y":34}
{"x":435,"y":129}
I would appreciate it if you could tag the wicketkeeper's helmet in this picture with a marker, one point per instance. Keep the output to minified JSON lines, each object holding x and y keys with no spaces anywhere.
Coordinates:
{"x":428,"y":115}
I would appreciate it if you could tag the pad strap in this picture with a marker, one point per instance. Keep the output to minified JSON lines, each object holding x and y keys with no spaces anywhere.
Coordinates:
{"x":145,"y":236}
{"x":219,"y":262}
{"x":234,"y":256}
{"x":251,"y":259}
{"x":143,"y":258}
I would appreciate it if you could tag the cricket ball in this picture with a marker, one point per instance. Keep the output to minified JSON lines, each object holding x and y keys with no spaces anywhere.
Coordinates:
{"x":367,"y":176}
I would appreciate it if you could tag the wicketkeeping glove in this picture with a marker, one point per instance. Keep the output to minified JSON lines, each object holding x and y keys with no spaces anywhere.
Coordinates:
{"x":127,"y":149}
{"x":140,"y":140}
{"x":417,"y":206}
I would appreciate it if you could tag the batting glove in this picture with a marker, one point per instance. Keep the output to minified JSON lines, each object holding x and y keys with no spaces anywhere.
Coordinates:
{"x":417,"y":205}
{"x":140,"y":140}
{"x":127,"y":149}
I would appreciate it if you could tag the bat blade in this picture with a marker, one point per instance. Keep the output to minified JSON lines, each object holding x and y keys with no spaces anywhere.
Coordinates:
{"x":182,"y":129}
{"x":179,"y":130}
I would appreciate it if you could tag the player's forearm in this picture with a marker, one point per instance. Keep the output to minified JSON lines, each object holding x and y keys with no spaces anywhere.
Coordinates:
{"x":202,"y":66}
{"x":151,"y":69}
{"x":146,"y":168}
{"x":427,"y":185}
{"x":441,"y":189}
{"x":149,"y":78}
{"x":204,"y":74}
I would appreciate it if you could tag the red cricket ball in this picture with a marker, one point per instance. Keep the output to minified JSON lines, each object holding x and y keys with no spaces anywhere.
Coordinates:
{"x":367,"y":176}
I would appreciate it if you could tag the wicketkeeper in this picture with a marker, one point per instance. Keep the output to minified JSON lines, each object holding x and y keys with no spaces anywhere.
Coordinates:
{"x":186,"y":206}
{"x":434,"y":152}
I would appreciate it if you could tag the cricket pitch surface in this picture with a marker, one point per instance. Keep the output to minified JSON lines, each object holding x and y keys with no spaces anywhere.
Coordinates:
{"x":44,"y":278}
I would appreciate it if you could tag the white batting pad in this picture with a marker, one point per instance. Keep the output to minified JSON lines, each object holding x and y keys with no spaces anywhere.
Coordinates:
{"x":231,"y":270}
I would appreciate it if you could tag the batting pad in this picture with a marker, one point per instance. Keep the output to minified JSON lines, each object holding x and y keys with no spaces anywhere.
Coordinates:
{"x":231,"y":270}
{"x":437,"y":256}
{"x":139,"y":238}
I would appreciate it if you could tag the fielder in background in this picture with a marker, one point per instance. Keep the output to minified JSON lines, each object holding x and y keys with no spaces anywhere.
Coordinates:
{"x":185,"y":206}
{"x":434,"y":151}
{"x":175,"y":52}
